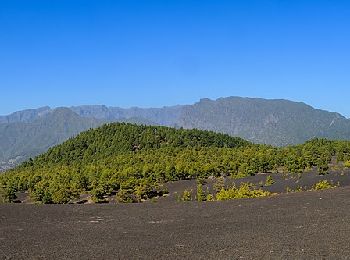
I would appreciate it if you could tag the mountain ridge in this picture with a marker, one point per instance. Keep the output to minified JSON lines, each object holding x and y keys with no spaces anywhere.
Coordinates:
{"x":24,"y":115}
{"x":278,"y":122}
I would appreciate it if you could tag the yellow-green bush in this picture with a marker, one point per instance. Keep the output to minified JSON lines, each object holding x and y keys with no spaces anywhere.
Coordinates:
{"x":347,"y":164}
{"x":269,"y":181}
{"x":200,"y":193}
{"x":245,"y":190}
{"x":323,"y":185}
{"x":186,"y":195}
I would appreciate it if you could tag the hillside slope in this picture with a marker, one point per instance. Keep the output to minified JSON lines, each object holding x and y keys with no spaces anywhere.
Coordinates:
{"x":276,"y":122}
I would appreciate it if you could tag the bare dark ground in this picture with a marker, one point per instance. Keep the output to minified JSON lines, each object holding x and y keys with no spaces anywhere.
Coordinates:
{"x":306,"y":225}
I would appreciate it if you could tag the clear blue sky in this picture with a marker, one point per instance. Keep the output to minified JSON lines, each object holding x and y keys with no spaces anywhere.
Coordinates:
{"x":153,"y":53}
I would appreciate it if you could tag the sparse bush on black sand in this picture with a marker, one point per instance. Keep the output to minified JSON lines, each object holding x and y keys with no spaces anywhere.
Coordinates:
{"x":347,"y":164}
{"x":137,"y":160}
{"x":245,"y":190}
{"x":201,"y":196}
{"x":269,"y":181}
{"x":323,"y":185}
{"x":186,"y":195}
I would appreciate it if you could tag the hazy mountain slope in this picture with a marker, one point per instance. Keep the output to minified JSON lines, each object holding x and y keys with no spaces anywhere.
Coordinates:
{"x":277,"y":122}
{"x":168,"y":116}
{"x":32,"y":132}
{"x":27,"y":115}
{"x":21,"y":140}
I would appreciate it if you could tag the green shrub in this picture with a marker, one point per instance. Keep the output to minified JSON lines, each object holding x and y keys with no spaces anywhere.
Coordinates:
{"x":200,"y":193}
{"x":347,"y":164}
{"x":245,"y":190}
{"x":41,"y":192}
{"x":98,"y":194}
{"x":298,"y":189}
{"x":210,"y":197}
{"x":7,"y":194}
{"x":322,"y":167}
{"x":269,"y":181}
{"x":186,"y":195}
{"x":125,"y":196}
{"x":323,"y":185}
{"x":219,"y":184}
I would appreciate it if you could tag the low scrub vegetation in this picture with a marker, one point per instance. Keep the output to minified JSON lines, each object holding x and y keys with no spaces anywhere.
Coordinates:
{"x":269,"y":181}
{"x":323,"y":185}
{"x":245,"y":190}
{"x":186,"y":195}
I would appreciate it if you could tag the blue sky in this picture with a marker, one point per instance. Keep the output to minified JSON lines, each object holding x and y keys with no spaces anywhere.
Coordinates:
{"x":154,"y":53}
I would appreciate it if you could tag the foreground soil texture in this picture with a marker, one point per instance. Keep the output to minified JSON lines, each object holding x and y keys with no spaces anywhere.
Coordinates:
{"x":303,"y":225}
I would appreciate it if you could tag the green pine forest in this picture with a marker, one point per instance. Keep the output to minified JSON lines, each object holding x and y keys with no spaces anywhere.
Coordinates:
{"x":133,"y":162}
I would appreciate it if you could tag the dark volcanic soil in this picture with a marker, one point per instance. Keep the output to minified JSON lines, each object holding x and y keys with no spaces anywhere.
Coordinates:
{"x":306,"y":225}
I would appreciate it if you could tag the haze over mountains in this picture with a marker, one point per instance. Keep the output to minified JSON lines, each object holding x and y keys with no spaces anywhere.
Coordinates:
{"x":28,"y":133}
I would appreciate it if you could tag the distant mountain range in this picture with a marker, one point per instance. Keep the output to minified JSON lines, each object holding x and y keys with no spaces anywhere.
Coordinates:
{"x":28,"y":133}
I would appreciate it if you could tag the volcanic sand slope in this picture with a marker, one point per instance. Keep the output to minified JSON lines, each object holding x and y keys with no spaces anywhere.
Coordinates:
{"x":306,"y":225}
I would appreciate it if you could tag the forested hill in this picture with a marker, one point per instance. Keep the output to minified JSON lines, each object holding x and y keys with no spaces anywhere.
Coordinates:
{"x":118,"y":138}
{"x":119,"y":157}
{"x":135,"y":161}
